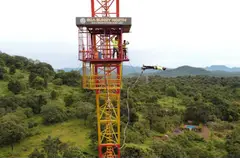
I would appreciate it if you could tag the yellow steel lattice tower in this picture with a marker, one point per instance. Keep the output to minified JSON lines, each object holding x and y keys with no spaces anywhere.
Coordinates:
{"x":102,"y":68}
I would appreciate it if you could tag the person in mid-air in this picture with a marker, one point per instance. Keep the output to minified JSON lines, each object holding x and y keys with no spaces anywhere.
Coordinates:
{"x":125,"y":48}
{"x":154,"y":67}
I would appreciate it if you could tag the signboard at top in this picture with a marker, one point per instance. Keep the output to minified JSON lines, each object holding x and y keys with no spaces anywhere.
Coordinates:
{"x":103,"y":21}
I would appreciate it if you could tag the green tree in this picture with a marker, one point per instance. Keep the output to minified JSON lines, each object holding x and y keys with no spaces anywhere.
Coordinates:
{"x":157,"y":147}
{"x":234,"y":111}
{"x":32,"y":76}
{"x":134,"y":137}
{"x":53,"y":95}
{"x":68,"y":100}
{"x":36,"y":102}
{"x":133,"y":116}
{"x":52,"y":146}
{"x":45,"y":82}
{"x":151,"y":114}
{"x":1,"y":73}
{"x":187,"y":139}
{"x":38,"y":83}
{"x":83,"y":109}
{"x":199,"y":152}
{"x":2,"y":63}
{"x":135,"y":151}
{"x":15,"y":86}
{"x":42,"y":69}
{"x":237,"y":92}
{"x":12,"y":70}
{"x":233,"y":143}
{"x":37,"y":154}
{"x":171,"y":91}
{"x":2,"y":111}
{"x":172,"y":151}
{"x":9,"y":60}
{"x":28,"y":112}
{"x":199,"y":112}
{"x":73,"y":152}
{"x":53,"y":114}
{"x":12,"y":130}
{"x":93,"y":136}
{"x":10,"y":103}
{"x":57,"y":81}
{"x":69,"y":78}
{"x":21,"y":62}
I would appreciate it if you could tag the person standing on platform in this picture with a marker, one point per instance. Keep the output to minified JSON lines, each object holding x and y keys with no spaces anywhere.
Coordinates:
{"x":115,"y":46}
{"x":125,"y":48}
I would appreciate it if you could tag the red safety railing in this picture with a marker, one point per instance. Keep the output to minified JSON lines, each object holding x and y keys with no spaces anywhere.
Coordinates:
{"x":103,"y":51}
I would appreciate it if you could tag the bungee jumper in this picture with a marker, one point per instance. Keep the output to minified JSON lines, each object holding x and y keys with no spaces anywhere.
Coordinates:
{"x":153,"y":67}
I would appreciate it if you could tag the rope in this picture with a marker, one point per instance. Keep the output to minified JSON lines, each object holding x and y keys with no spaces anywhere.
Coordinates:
{"x":125,"y":129}
{"x":128,"y":89}
{"x":106,"y":83}
{"x":132,"y":67}
{"x":107,"y":89}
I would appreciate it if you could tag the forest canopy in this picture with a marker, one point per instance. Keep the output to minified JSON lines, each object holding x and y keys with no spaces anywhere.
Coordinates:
{"x":47,"y":113}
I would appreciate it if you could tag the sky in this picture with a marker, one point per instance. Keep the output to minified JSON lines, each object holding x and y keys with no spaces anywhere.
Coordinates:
{"x":170,"y":33}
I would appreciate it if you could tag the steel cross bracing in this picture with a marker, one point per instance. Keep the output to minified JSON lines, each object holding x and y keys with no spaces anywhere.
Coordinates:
{"x":103,"y":8}
{"x":108,"y":114}
{"x":103,"y":73}
{"x":108,"y":110}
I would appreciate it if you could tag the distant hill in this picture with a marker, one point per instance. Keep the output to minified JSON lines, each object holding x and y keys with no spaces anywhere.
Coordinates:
{"x":193,"y":71}
{"x":127,"y":70}
{"x":68,"y":69}
{"x":223,"y":68}
{"x":180,"y":71}
{"x":184,"y":71}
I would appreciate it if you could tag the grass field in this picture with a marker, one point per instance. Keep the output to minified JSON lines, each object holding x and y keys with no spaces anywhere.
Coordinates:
{"x":72,"y":131}
{"x":169,"y":102}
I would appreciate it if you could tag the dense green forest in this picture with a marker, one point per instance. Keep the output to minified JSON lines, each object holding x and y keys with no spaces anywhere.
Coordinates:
{"x":47,"y":114}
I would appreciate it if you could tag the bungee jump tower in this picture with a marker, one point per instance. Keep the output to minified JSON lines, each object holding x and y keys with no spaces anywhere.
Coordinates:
{"x":101,"y":71}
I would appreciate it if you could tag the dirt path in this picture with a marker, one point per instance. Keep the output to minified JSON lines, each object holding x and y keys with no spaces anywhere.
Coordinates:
{"x":205,"y":133}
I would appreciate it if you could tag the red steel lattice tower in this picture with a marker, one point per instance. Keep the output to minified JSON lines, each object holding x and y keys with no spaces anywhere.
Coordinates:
{"x":102,"y":71}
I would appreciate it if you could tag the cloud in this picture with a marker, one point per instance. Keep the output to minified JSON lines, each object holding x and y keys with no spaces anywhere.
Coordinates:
{"x":170,"y":32}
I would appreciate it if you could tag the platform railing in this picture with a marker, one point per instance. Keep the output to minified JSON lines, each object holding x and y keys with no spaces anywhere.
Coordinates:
{"x":99,"y":82}
{"x":101,"y":53}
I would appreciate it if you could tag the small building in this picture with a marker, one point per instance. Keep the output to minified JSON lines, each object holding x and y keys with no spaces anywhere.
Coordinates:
{"x":191,"y":127}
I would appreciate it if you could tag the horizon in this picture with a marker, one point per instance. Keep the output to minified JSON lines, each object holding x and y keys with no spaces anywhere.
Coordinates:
{"x":124,"y":64}
{"x":168,"y":68}
{"x":194,"y":33}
